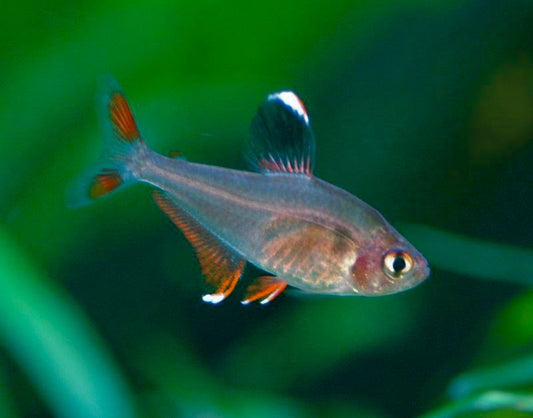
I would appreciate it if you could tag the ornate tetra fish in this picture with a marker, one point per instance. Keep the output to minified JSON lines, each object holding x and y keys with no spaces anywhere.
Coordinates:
{"x":302,"y":231}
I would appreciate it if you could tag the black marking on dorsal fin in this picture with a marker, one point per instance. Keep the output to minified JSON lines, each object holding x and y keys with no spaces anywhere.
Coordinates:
{"x":282,"y":139}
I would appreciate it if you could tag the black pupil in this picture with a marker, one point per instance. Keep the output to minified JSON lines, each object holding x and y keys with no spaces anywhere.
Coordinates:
{"x":398,"y":264}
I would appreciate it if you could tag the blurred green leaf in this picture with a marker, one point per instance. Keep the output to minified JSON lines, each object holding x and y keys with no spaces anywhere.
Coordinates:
{"x":513,"y":326}
{"x":515,"y":373}
{"x":184,"y":388}
{"x":487,"y":401}
{"x":55,"y":344}
{"x":473,"y":257}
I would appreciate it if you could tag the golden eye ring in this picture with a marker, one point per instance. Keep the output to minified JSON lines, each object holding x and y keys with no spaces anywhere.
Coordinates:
{"x":396,"y":263}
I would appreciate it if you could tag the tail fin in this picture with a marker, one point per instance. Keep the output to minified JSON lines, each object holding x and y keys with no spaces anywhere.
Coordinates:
{"x":123,"y":143}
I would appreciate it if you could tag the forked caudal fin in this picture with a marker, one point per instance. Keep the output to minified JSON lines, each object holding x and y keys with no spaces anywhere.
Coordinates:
{"x":122,"y":145}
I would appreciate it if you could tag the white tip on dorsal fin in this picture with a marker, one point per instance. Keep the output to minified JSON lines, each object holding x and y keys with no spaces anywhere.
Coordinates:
{"x":291,"y":100}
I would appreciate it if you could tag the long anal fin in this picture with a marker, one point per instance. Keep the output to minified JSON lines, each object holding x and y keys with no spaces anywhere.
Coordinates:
{"x":220,"y":265}
{"x":264,"y":289}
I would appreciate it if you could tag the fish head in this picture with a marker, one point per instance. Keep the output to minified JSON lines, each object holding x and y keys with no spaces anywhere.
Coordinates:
{"x":389,"y":264}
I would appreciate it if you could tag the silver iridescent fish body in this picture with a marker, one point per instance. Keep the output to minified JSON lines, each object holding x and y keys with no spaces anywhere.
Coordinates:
{"x":302,"y":231}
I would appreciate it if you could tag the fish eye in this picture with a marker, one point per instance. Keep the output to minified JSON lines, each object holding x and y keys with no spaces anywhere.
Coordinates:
{"x":396,"y":263}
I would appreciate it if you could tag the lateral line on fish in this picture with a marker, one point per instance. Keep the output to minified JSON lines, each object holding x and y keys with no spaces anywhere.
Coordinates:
{"x":236,"y":198}
{"x":310,"y":216}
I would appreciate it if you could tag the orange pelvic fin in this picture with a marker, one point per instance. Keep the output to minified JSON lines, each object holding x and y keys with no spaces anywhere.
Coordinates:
{"x":264,"y":289}
{"x":221,"y":267}
{"x":122,"y":118}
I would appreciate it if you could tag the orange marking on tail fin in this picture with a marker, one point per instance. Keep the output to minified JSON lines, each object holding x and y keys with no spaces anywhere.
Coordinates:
{"x":221,"y":267}
{"x":104,"y":183}
{"x":265,"y":289}
{"x":122,"y":118}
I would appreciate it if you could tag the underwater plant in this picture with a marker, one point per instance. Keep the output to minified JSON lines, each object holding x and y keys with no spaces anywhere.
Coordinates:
{"x":423,"y":109}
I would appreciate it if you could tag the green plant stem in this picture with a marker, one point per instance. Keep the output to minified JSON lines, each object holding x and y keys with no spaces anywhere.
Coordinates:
{"x":54,"y":343}
{"x":472,"y":257}
{"x":487,"y":401}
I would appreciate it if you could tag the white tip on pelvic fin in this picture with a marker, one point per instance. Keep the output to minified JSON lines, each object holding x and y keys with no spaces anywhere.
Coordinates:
{"x":293,"y":101}
{"x":213,"y":298}
{"x":272,"y":296}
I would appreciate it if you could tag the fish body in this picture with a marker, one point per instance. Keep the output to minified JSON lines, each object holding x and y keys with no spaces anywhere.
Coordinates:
{"x":303,"y":231}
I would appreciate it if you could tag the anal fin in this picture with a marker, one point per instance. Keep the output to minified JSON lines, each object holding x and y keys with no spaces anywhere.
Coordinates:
{"x":220,"y":265}
{"x":265,"y":289}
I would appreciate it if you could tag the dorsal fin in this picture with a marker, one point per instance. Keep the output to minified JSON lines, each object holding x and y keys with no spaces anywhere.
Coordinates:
{"x":221,"y":266}
{"x":282,"y":139}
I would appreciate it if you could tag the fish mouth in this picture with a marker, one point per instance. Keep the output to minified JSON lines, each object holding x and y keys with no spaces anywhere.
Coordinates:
{"x":425,"y":270}
{"x":428,"y":271}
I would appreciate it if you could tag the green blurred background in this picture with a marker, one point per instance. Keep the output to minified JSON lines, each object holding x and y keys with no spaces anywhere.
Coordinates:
{"x":423,"y":108}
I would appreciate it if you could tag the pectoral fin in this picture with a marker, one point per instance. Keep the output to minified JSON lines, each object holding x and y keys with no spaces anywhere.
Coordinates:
{"x":264,"y":289}
{"x":220,"y":265}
